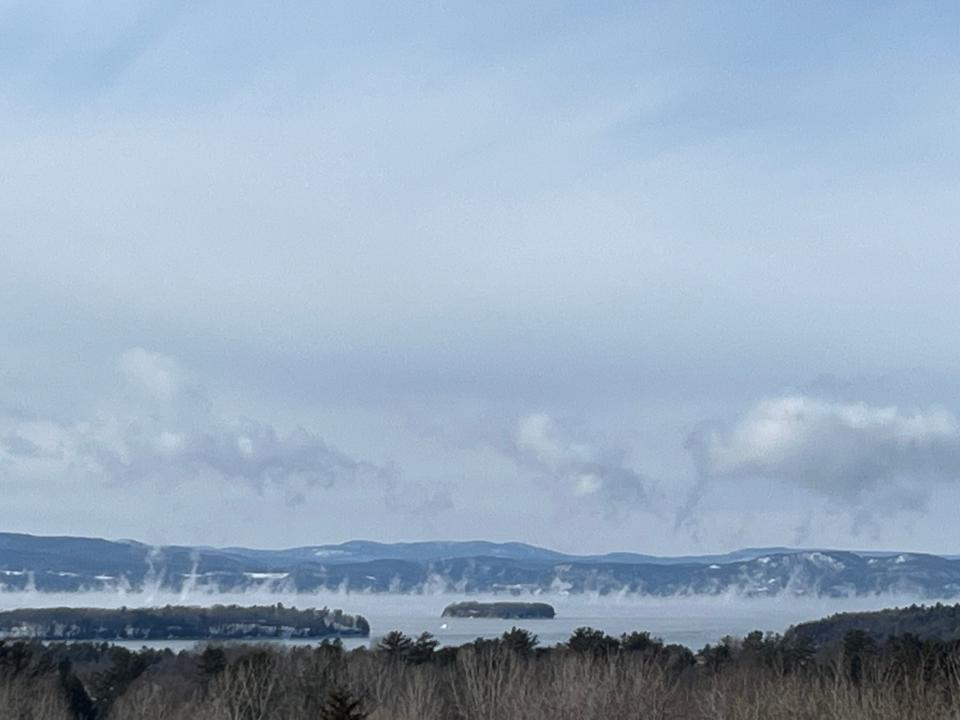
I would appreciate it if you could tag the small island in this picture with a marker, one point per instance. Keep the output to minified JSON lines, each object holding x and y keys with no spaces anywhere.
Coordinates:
{"x":220,"y":622}
{"x":501,"y":610}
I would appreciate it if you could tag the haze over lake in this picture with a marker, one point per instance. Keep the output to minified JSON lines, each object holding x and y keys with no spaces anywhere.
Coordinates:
{"x":691,"y":620}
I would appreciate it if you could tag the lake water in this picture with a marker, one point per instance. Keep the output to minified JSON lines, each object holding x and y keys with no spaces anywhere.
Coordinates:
{"x":689,"y":620}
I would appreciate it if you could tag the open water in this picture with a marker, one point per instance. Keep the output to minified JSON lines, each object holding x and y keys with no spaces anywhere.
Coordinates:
{"x":689,"y":620}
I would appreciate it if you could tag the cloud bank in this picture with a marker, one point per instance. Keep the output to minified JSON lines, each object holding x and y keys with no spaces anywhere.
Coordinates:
{"x":852,"y":453}
{"x":165,"y":431}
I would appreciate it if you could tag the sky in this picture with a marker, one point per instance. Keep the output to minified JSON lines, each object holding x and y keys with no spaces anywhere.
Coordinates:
{"x":661,"y":277}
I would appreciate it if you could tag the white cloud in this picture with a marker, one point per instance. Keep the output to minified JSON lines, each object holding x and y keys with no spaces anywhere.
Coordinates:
{"x":851,"y":452}
{"x":140,"y":441}
{"x":588,"y":483}
{"x":539,"y":437}
{"x":157,"y":375}
{"x":581,"y":468}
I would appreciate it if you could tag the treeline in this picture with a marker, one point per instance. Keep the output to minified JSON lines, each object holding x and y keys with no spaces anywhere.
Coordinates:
{"x":592,"y":676}
{"x":180,"y":622}
{"x":927,"y":622}
{"x":504,"y":610}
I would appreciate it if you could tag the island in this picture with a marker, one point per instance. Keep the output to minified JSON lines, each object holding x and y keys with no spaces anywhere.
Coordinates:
{"x":502,"y":610}
{"x":219,"y":622}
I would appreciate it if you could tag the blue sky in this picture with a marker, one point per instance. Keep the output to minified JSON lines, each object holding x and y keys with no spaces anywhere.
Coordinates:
{"x":665,"y":276}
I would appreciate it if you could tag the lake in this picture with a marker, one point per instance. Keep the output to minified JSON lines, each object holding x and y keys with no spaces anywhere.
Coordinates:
{"x":689,"y":620}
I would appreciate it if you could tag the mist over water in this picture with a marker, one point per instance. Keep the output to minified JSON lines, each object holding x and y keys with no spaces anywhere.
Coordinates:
{"x":691,"y":620}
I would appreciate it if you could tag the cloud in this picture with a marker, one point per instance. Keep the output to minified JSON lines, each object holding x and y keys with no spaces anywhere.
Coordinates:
{"x":855,"y":454}
{"x":570,"y":219}
{"x":17,"y":445}
{"x":582,"y":469}
{"x":139,"y":440}
{"x":155,"y":374}
{"x":240,"y":450}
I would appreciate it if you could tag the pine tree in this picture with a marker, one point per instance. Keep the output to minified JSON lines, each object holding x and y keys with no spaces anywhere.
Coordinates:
{"x":341,"y":705}
{"x":423,"y":649}
{"x":395,"y":644}
{"x":212,"y":662}
{"x":520,"y":641}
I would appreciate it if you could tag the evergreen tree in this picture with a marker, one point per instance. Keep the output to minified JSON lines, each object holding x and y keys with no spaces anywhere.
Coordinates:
{"x":108,"y":685}
{"x":588,"y":640}
{"x":395,"y":644}
{"x":341,"y":705}
{"x":423,"y":649}
{"x":74,"y":693}
{"x":520,"y":641}
{"x":212,"y":662}
{"x":640,"y":642}
{"x":857,"y":645}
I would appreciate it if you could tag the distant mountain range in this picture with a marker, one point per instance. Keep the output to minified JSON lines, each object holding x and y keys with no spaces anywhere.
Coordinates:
{"x":68,"y":564}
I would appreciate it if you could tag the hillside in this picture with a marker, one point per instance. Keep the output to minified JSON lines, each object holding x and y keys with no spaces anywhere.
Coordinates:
{"x":67,"y":564}
{"x":937,"y":622}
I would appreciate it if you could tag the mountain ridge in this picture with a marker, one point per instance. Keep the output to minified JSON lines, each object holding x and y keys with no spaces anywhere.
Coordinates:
{"x":71,"y":563}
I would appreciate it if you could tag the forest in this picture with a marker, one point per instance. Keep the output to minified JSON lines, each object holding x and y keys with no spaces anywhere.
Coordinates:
{"x":591,"y":676}
{"x":505,"y":610}
{"x":180,"y":622}
{"x":926,"y":622}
